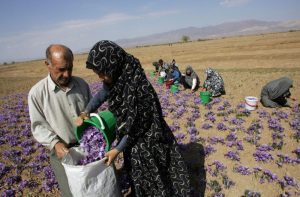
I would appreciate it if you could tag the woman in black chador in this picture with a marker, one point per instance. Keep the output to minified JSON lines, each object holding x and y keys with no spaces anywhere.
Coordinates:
{"x":151,"y":154}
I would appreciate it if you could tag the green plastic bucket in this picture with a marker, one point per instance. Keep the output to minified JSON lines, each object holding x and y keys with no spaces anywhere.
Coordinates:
{"x":105,"y":122}
{"x":161,"y":80}
{"x":205,"y":97}
{"x":174,"y":88}
{"x":152,"y":73}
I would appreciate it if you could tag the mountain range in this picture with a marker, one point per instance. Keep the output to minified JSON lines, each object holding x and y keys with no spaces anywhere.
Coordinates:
{"x":247,"y":27}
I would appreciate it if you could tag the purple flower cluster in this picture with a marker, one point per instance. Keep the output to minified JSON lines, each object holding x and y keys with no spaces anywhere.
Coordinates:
{"x":264,"y":147}
{"x":215,"y":168}
{"x":206,"y":126}
{"x":210,"y":116}
{"x":262,"y":156}
{"x":240,"y":106}
{"x":180,"y":137}
{"x":233,"y":155}
{"x":297,"y":152}
{"x":179,"y":112}
{"x":208,"y":150}
{"x":295,"y":125}
{"x":215,"y":140}
{"x":288,"y":181}
{"x":243,"y":170}
{"x":244,"y":112}
{"x":93,"y":144}
{"x":280,"y":114}
{"x":175,"y":126}
{"x":262,"y":113}
{"x":275,"y":125}
{"x":269,"y":176}
{"x":285,"y":159}
{"x":237,"y":121}
{"x":221,"y":126}
{"x":3,"y":169}
{"x":238,"y":144}
{"x":227,"y":182}
{"x":50,"y":182}
{"x":250,"y":193}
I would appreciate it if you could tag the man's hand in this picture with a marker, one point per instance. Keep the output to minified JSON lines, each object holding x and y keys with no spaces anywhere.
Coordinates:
{"x":111,"y":156}
{"x":78,"y":121}
{"x":60,"y":149}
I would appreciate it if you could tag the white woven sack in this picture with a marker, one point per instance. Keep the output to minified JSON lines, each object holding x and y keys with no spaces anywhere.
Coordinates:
{"x":92,"y":180}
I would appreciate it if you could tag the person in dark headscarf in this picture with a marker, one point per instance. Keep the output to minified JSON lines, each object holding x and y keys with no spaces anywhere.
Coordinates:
{"x":151,"y":154}
{"x":214,"y":82}
{"x":158,"y":65}
{"x":190,"y":79}
{"x":276,"y":92}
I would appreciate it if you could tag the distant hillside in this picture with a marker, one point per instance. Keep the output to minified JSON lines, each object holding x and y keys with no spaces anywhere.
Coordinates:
{"x":247,"y":27}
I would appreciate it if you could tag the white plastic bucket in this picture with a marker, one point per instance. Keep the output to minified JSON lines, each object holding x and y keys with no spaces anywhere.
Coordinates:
{"x":163,"y":74}
{"x":251,"y":102}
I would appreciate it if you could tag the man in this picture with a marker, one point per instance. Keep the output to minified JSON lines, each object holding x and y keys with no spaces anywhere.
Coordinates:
{"x":54,"y":103}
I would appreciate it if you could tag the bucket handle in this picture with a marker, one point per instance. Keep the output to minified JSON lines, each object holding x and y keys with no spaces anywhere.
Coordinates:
{"x":250,"y":104}
{"x":99,"y":118}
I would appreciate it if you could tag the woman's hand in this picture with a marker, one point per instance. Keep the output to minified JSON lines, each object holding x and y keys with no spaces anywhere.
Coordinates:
{"x":83,"y":116}
{"x":111,"y":156}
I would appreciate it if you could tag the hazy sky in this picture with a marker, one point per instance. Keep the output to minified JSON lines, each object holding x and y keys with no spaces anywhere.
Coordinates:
{"x":28,"y":26}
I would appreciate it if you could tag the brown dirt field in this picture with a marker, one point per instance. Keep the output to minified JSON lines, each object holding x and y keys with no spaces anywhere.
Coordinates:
{"x":246,"y":62}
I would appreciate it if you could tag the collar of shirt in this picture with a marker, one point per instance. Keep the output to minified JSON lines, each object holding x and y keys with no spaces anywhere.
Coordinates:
{"x":52,"y":85}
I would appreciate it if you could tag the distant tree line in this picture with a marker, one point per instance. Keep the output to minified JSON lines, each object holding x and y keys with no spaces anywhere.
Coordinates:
{"x":5,"y":63}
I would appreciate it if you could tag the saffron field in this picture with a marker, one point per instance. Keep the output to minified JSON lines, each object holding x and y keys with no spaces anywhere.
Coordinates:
{"x":228,"y":149}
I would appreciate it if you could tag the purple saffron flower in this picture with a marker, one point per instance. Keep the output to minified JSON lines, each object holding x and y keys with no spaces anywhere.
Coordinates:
{"x":221,"y":126}
{"x":262,"y":156}
{"x":206,"y":126}
{"x":231,"y":137}
{"x":297,"y":152}
{"x":243,"y":170}
{"x":269,"y":176}
{"x":264,"y":147}
{"x":9,"y":193}
{"x":192,"y":131}
{"x":280,"y":114}
{"x":3,"y":169}
{"x":233,"y":155}
{"x":215,"y":140}
{"x":240,"y":106}
{"x":237,"y":121}
{"x":208,"y":150}
{"x":93,"y":144}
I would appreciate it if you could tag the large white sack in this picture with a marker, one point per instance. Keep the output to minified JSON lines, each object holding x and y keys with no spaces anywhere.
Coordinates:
{"x":92,"y":180}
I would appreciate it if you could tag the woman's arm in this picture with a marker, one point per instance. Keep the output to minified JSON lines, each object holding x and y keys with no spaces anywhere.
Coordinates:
{"x":93,"y":105}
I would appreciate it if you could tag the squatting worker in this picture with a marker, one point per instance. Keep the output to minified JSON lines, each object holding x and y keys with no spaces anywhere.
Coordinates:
{"x":275,"y":93}
{"x":54,"y":103}
{"x":190,"y":79}
{"x":151,"y":154}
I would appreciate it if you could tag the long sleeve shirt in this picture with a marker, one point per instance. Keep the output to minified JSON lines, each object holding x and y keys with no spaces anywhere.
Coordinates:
{"x":52,"y":111}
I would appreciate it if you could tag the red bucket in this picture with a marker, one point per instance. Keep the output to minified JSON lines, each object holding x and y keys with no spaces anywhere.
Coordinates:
{"x":168,"y":83}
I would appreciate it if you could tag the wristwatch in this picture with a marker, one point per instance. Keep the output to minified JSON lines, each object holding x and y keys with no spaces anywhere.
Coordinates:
{"x":84,"y":115}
